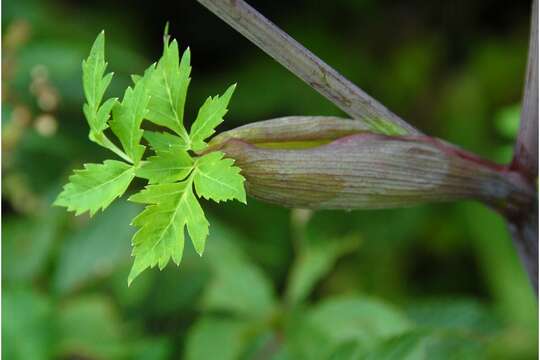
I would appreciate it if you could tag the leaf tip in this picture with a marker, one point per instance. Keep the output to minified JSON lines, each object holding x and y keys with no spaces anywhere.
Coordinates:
{"x":166,"y":29}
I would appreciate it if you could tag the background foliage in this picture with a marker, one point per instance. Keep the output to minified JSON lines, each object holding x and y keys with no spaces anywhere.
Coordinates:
{"x":434,"y":281}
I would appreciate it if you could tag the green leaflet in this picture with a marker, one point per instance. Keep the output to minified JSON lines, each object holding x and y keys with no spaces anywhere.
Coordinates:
{"x":94,"y":84}
{"x":97,"y":116}
{"x":216,"y":178}
{"x":165,"y":141}
{"x":209,"y":117}
{"x":168,"y":88}
{"x":166,"y":166}
{"x":161,"y":234}
{"x":171,"y":203}
{"x":155,"y":194}
{"x":95,"y":186}
{"x":173,"y":206}
{"x":128,"y":116}
{"x":135,"y":78}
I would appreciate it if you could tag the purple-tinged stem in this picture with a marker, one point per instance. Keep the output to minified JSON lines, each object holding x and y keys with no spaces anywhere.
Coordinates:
{"x":524,"y":226}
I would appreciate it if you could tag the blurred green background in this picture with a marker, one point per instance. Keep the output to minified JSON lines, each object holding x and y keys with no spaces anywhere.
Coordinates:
{"x":430,"y":282}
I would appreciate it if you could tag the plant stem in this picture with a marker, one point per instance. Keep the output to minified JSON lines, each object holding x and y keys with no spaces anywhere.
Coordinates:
{"x":526,"y":150}
{"x":104,"y":141}
{"x":523,"y":223}
{"x":303,"y":63}
{"x":524,"y":228}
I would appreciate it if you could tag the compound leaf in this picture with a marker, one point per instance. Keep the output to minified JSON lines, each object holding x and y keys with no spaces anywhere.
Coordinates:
{"x":171,"y":205}
{"x":95,"y":186}
{"x":216,"y":178}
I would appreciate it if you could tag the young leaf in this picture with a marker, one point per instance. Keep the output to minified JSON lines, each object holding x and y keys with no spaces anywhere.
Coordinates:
{"x":209,"y":117}
{"x":216,"y":178}
{"x":158,"y":96}
{"x":161,"y":233}
{"x":95,"y":186}
{"x":128,"y":116}
{"x":168,"y":87}
{"x":165,"y":141}
{"x":166,"y":166}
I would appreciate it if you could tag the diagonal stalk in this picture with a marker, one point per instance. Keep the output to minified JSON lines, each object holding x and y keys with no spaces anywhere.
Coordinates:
{"x":304,"y":64}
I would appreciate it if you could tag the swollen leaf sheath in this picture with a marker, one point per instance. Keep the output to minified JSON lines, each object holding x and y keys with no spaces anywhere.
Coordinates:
{"x":310,"y":130}
{"x":367,"y":171}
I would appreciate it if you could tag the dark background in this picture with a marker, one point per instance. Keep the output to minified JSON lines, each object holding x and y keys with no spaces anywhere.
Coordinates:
{"x":433,"y":281}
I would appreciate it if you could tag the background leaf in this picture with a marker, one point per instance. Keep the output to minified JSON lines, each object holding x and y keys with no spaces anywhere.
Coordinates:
{"x":91,"y":328}
{"x":27,"y":325}
{"x":316,"y":259}
{"x":95,"y":251}
{"x":237,"y":285}
{"x":228,"y":338}
{"x":28,"y":244}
